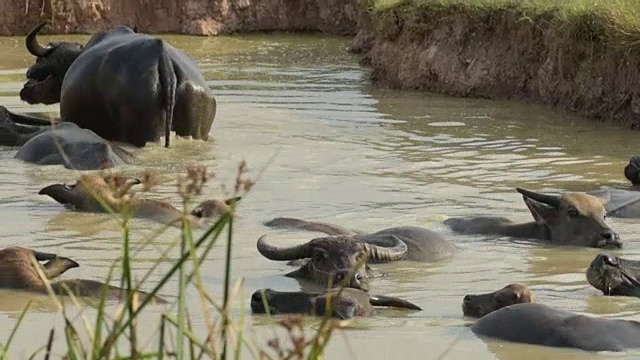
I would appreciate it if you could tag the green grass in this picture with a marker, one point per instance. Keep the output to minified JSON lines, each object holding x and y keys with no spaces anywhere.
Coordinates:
{"x":106,"y":335}
{"x":620,"y":18}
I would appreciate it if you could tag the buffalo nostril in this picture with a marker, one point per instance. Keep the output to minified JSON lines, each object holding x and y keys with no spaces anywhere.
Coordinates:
{"x":467,"y":299}
{"x":607,"y":235}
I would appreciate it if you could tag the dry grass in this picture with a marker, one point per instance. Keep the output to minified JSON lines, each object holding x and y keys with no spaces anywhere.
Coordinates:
{"x":618,"y":19}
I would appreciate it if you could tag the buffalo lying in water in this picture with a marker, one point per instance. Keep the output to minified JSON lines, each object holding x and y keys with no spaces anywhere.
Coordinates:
{"x":345,"y":304}
{"x":343,"y":257}
{"x":482,"y":304}
{"x":63,"y":144}
{"x":568,"y":219}
{"x":538,"y":324}
{"x":122,"y":85}
{"x":99,"y":194}
{"x":614,"y":276}
{"x":17,"y":271}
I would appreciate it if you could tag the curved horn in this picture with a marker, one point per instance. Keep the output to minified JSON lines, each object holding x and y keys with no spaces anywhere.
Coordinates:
{"x":543,"y":198}
{"x":282,"y":254}
{"x":32,"y":43}
{"x":58,"y":192}
{"x":383,"y":253}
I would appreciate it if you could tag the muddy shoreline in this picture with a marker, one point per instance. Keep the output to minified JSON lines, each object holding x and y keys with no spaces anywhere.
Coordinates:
{"x":506,"y":53}
{"x":189,"y":17}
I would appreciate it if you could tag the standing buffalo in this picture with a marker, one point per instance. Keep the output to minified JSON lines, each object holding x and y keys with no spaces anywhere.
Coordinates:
{"x":122,"y":85}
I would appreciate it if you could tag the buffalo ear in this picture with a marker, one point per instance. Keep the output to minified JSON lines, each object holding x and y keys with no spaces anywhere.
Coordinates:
{"x":542,"y":213}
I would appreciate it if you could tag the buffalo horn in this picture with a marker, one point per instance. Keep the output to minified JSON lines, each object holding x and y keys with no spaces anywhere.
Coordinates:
{"x":282,"y":254}
{"x":32,"y":43}
{"x":543,"y":198}
{"x":383,"y":253}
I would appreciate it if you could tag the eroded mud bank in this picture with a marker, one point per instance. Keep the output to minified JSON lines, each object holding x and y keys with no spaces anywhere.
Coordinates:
{"x":577,"y":64}
{"x":193,"y":17}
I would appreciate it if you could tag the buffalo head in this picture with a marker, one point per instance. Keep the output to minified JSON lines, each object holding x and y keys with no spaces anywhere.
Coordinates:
{"x":335,"y":260}
{"x":572,"y":218}
{"x":632,"y":170}
{"x":614,"y":276}
{"x":482,"y":304}
{"x":45,"y":77}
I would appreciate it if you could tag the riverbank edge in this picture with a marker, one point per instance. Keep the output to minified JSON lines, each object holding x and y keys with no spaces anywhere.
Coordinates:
{"x":578,"y":64}
{"x":188,"y":17}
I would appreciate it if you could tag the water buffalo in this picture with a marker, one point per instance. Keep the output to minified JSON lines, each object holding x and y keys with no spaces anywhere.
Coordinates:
{"x":122,"y":85}
{"x":76,"y":148}
{"x":538,"y":324}
{"x":63,"y":144}
{"x":422,"y":244}
{"x":480,"y":305}
{"x":17,"y":271}
{"x":568,"y":219}
{"x":621,"y":203}
{"x":94,"y":193}
{"x":614,"y":276}
{"x":336,"y":260}
{"x":632,"y":170}
{"x":344,"y":304}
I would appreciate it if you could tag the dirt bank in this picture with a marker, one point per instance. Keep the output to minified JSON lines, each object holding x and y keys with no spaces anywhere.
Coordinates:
{"x":196,"y":17}
{"x":576,"y":64}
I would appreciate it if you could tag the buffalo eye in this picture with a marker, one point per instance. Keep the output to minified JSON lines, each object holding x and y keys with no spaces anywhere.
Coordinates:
{"x":197,"y":212}
{"x":611,"y":261}
{"x":573,"y":212}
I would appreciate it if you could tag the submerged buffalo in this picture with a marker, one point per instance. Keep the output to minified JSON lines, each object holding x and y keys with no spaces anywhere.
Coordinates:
{"x":122,"y":85}
{"x":63,"y":144}
{"x":18,"y":271}
{"x":343,"y":257}
{"x":614,"y":276}
{"x":75,"y":148}
{"x":344,"y":304}
{"x":632,"y":170}
{"x":483,"y":304}
{"x":620,"y":203}
{"x":99,"y":194}
{"x":538,"y":324}
{"x":568,"y":219}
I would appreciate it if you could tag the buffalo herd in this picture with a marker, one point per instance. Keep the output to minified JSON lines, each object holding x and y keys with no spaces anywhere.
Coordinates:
{"x":127,"y":88}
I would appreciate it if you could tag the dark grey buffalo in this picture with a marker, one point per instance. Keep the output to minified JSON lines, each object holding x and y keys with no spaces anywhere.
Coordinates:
{"x":568,"y":219}
{"x":344,"y":257}
{"x":539,"y":324}
{"x":614,"y":276}
{"x":344,"y":304}
{"x":63,"y":144}
{"x":76,"y":148}
{"x":632,"y":170}
{"x":122,"y":85}
{"x":621,"y":203}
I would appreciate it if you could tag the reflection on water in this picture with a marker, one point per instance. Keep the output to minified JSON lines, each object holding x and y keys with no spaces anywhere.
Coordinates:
{"x":351,"y":154}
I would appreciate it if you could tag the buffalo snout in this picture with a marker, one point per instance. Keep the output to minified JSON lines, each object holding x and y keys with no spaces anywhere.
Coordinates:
{"x":609,"y":239}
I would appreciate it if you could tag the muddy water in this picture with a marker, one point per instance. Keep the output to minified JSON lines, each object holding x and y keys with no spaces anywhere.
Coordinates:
{"x":333,"y":148}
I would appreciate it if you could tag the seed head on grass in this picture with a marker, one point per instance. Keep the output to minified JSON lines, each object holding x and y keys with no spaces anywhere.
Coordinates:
{"x":191,"y":185}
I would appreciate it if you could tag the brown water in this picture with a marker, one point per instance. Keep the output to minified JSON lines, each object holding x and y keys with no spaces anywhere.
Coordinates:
{"x":347,"y":153}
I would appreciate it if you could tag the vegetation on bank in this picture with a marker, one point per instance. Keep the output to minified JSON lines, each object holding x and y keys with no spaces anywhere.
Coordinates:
{"x":117,"y":336}
{"x":619,"y":19}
